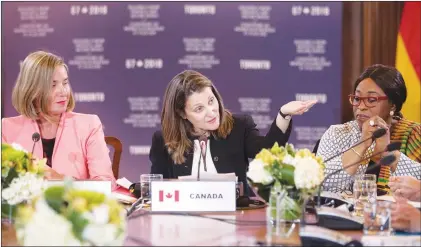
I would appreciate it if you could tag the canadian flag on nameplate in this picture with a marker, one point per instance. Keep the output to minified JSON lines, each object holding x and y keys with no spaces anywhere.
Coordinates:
{"x":168,"y":196}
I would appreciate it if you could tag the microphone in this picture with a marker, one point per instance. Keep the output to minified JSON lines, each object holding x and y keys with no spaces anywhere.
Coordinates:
{"x":348,"y":224}
{"x":323,"y":235}
{"x":203,"y":152}
{"x":35,"y":138}
{"x":376,"y":134}
{"x":389,"y":148}
{"x":202,"y":142}
{"x":133,"y":206}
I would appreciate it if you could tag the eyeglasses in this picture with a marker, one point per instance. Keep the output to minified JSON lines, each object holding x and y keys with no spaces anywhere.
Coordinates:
{"x":370,"y":101}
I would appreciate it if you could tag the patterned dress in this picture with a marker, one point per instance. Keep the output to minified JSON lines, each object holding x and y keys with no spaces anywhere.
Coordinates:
{"x":342,"y":136}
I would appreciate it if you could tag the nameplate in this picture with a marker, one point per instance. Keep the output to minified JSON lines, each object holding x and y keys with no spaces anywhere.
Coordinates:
{"x":93,"y":185}
{"x":193,"y":196}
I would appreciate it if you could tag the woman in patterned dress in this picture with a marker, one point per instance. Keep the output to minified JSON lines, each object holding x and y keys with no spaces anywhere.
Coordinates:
{"x":377,"y":99}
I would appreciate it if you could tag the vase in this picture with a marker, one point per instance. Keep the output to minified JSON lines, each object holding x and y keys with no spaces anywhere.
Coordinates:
{"x":285,"y":205}
{"x":7,"y":213}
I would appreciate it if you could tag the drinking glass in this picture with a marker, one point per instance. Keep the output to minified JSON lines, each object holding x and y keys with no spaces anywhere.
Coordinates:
{"x":377,"y":220}
{"x":364,"y":190}
{"x":145,"y":185}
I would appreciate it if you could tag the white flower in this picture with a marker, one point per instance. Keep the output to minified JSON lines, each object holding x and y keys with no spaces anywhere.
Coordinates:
{"x":100,"y":234}
{"x":288,"y":159}
{"x":257,"y":173}
{"x":100,"y":214}
{"x":46,"y":227}
{"x":308,"y":173}
{"x":23,"y":188}
{"x":18,"y":147}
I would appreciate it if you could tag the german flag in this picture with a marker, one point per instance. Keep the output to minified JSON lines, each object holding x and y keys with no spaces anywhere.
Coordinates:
{"x":408,"y":60}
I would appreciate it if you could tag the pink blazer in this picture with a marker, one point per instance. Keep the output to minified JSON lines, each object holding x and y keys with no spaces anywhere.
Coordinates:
{"x":80,"y":150}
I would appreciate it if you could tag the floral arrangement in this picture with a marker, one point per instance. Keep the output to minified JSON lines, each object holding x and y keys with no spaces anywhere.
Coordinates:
{"x":295,"y":173}
{"x":21,"y":178}
{"x":63,"y":215}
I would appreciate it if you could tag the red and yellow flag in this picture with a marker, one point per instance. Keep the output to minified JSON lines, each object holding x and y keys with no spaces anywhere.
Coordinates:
{"x":408,"y":60}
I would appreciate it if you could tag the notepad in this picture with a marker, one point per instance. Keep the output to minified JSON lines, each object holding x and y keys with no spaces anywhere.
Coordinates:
{"x":123,"y":197}
{"x":123,"y":194}
{"x":124,"y":182}
{"x":211,"y":177}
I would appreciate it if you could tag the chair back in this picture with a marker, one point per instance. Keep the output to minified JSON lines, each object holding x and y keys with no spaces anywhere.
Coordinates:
{"x":118,"y":149}
{"x":316,"y":146}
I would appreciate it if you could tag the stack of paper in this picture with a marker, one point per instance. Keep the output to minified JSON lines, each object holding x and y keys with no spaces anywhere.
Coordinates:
{"x":123,"y":194}
{"x":124,"y":182}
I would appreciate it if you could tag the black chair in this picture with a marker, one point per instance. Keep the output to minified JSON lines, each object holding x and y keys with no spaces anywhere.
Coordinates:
{"x":316,"y":146}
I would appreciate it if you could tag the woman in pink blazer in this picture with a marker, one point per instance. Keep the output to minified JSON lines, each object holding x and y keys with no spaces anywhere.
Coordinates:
{"x":73,"y":143}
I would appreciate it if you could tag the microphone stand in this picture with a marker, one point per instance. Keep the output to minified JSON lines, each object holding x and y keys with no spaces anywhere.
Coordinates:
{"x":35,"y":138}
{"x":391,"y":147}
{"x":200,"y":158}
{"x":384,"y":161}
{"x":198,"y":167}
{"x":376,"y":134}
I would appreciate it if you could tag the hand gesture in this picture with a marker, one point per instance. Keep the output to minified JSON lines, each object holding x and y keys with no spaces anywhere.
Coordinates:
{"x":372,"y":125}
{"x":405,"y":216}
{"x":406,"y":186}
{"x":51,"y":174}
{"x":297,"y":107}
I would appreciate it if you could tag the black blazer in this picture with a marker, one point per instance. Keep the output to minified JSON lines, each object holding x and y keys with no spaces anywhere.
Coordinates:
{"x":229,"y":155}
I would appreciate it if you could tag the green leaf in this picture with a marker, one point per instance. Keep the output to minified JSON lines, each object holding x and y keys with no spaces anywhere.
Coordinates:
{"x":287,"y":172}
{"x":54,"y":197}
{"x":290,"y":150}
{"x":93,"y":197}
{"x":289,"y":209}
{"x":79,"y":223}
{"x":276,"y":170}
{"x":10,"y":176}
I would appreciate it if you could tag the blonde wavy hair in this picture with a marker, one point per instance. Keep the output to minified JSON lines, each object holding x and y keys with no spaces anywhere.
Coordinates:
{"x":30,"y":96}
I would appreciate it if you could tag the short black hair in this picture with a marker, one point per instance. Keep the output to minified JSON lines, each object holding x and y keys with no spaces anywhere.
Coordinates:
{"x":390,"y":80}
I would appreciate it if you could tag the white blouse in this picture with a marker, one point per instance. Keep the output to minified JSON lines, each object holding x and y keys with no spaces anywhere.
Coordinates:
{"x":280,"y":122}
{"x":209,"y":161}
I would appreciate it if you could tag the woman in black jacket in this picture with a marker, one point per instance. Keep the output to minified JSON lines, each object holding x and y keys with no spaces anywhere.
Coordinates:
{"x":198,"y":130}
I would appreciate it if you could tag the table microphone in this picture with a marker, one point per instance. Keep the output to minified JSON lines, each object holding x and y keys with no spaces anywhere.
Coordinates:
{"x":133,"y":206}
{"x":203,"y":148}
{"x":389,"y":148}
{"x":376,"y":134}
{"x":337,"y":219}
{"x":35,"y":138}
{"x":202,"y":140}
{"x":312,"y":235}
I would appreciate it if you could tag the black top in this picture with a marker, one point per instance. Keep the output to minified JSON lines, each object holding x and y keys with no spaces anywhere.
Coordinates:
{"x":229,"y":155}
{"x":48,"y":147}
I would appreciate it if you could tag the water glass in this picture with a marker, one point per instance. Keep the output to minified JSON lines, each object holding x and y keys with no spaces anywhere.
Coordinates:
{"x":145,"y":185}
{"x":364,"y":190}
{"x":377,"y":219}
